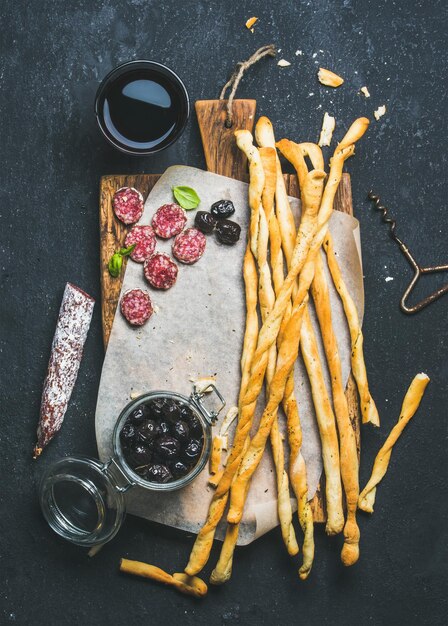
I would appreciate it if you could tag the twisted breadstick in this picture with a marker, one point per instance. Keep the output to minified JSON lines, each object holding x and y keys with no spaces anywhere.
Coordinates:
{"x":204,"y":540}
{"x":347,"y":440}
{"x":289,"y":347}
{"x":267,"y":230}
{"x":410,"y":405}
{"x":368,"y":407}
{"x":297,"y":470}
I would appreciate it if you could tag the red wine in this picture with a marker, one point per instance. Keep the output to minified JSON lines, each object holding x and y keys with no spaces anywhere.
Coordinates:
{"x":142,"y":108}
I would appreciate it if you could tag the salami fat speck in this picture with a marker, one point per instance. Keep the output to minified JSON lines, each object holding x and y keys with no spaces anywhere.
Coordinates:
{"x":128,"y":205}
{"x":145,"y":240}
{"x":72,"y":326}
{"x":160,"y":271}
{"x":169,"y":220}
{"x":136,"y":306}
{"x":189,"y":246}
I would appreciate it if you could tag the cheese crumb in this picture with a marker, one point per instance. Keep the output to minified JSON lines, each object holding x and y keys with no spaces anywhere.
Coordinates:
{"x":299,"y":53}
{"x":250,"y":22}
{"x":365,"y":92}
{"x":328,"y":126}
{"x":283,"y":63}
{"x":380,"y":112}
{"x":328,"y":78}
{"x":388,"y":279}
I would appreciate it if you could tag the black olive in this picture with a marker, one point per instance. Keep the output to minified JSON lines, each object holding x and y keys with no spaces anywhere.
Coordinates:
{"x":192,"y":451}
{"x":222,"y":209}
{"x":127,"y":434}
{"x":171,"y":410}
{"x":148,"y":431}
{"x":138,"y":415}
{"x":155,"y":407}
{"x":164,"y":428}
{"x":185,"y":412}
{"x":158,"y":473}
{"x":195,"y":426}
{"x":179,"y":469}
{"x":180,"y":430}
{"x":168,"y":447}
{"x":140,"y":455}
{"x":228,"y":232}
{"x":205,"y":222}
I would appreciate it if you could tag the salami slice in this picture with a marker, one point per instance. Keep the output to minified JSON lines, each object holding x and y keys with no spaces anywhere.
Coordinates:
{"x":128,"y":205}
{"x":189,"y":246}
{"x":66,"y":353}
{"x":169,"y":220}
{"x":160,"y":271}
{"x":136,"y":306}
{"x":145,"y":240}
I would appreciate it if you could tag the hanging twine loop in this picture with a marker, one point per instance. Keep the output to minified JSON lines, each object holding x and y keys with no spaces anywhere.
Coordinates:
{"x":237,"y":75}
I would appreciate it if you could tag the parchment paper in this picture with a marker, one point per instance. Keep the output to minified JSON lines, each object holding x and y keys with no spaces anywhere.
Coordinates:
{"x":197,"y":329}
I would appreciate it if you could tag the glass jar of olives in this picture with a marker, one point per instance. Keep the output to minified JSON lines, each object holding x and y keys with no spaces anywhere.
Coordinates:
{"x":161,"y":441}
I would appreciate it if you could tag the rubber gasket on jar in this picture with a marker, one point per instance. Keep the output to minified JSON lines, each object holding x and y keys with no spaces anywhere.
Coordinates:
{"x":145,"y":242}
{"x":128,"y":205}
{"x":169,"y":220}
{"x":189,"y":246}
{"x":160,"y":271}
{"x":136,"y":306}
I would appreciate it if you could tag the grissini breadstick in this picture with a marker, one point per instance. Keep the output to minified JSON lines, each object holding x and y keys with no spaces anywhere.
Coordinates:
{"x":264,"y":133}
{"x":327,"y":427}
{"x":347,"y":440}
{"x":368,"y":407}
{"x":251,"y":329}
{"x":266,"y":231}
{"x":289,"y":348}
{"x":324,"y":413}
{"x":410,"y":405}
{"x":202,"y":546}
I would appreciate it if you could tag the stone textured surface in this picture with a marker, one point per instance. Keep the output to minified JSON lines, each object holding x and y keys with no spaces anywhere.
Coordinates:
{"x":53,"y":56}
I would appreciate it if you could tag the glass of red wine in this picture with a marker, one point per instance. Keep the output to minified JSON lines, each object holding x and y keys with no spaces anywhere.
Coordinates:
{"x":142,"y":107}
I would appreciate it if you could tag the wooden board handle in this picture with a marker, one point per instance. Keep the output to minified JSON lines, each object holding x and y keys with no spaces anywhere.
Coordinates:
{"x":221,"y":153}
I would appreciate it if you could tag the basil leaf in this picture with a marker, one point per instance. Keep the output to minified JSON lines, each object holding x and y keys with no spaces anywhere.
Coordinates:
{"x":115,"y":263}
{"x":186,"y":197}
{"x":127,"y":251}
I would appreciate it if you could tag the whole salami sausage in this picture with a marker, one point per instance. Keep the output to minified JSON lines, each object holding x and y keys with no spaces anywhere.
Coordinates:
{"x":169,"y":220}
{"x":145,"y":242}
{"x":136,"y":306}
{"x":128,"y":205}
{"x":72,"y":326}
{"x":160,"y":271}
{"x":189,"y":246}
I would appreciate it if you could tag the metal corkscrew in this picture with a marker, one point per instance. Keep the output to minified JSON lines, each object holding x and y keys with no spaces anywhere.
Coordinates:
{"x":418,"y":269}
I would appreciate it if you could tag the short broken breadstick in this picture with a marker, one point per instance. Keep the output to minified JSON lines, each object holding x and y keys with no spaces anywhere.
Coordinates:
{"x":347,"y":439}
{"x":410,"y":405}
{"x":213,"y":480}
{"x":368,"y":407}
{"x":215,"y":455}
{"x":327,"y":427}
{"x":191,"y":586}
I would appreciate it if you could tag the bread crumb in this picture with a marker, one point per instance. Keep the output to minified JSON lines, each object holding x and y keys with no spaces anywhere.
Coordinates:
{"x":283,"y":63}
{"x":328,"y":78}
{"x":380,"y":112}
{"x":388,"y":279}
{"x":250,"y":22}
{"x":365,"y":92}
{"x":328,"y":126}
{"x":299,"y":53}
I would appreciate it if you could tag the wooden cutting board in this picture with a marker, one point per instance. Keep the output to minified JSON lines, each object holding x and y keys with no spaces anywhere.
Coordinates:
{"x":222,"y":157}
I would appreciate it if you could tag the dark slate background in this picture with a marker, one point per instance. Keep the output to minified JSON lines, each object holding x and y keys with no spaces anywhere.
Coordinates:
{"x":53,"y":55}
